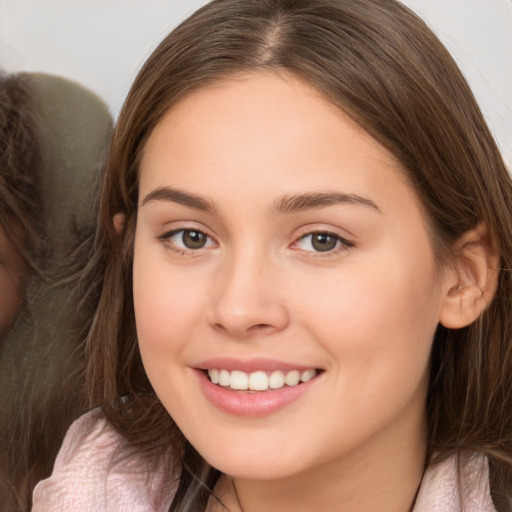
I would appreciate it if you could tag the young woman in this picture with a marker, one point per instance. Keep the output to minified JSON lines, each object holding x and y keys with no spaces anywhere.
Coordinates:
{"x":302,"y":275}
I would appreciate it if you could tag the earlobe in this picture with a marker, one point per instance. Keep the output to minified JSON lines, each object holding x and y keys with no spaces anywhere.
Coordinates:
{"x":119,"y":221}
{"x":472,"y":282}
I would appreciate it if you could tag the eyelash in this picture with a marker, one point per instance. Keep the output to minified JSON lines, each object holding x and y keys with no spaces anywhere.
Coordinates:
{"x":166,"y":239}
{"x":342,"y":244}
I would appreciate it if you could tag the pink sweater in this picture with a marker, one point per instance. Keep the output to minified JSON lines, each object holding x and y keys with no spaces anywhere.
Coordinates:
{"x":84,"y":479}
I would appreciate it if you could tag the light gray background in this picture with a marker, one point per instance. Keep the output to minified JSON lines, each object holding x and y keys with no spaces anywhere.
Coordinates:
{"x":102,"y":43}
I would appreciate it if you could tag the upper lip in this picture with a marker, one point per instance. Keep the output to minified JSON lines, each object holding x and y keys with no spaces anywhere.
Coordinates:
{"x":251,"y":365}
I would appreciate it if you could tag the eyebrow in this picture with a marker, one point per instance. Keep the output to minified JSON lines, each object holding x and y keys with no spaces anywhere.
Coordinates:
{"x":310,"y":201}
{"x":283,"y":205}
{"x":177,"y":196}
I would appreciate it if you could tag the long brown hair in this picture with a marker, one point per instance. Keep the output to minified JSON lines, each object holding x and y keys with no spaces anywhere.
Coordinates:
{"x":382,"y":66}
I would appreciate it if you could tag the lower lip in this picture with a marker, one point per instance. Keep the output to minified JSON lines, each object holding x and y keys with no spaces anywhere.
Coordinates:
{"x":245,"y":403}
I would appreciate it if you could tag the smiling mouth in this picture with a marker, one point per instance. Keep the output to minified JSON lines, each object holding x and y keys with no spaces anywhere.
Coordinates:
{"x":260,"y":380}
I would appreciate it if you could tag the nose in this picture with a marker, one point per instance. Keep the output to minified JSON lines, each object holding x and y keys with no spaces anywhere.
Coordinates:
{"x":249,"y":298}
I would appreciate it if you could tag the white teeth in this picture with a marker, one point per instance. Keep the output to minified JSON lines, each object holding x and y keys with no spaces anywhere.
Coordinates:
{"x":214,"y":376}
{"x":305,"y":375}
{"x":259,"y":380}
{"x":292,"y":378}
{"x":239,"y":380}
{"x":224,"y":378}
{"x":276,"y":380}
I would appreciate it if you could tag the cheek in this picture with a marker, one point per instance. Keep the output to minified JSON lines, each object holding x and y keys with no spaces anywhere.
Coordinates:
{"x":166,"y":303}
{"x":376,"y":320}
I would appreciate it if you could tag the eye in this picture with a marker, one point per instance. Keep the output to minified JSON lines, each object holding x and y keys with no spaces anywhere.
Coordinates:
{"x":322,"y":242}
{"x":188,"y":239}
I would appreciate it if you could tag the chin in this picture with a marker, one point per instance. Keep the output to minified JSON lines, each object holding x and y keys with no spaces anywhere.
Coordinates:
{"x":255,"y":470}
{"x":253,"y":460}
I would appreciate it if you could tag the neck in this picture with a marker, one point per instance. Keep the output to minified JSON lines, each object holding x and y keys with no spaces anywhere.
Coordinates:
{"x":379,"y":477}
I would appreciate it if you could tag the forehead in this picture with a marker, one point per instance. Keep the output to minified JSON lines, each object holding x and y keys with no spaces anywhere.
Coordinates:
{"x":258,"y":118}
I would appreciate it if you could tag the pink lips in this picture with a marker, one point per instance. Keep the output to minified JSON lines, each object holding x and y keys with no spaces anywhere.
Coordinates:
{"x":249,"y":366}
{"x":247,"y":403}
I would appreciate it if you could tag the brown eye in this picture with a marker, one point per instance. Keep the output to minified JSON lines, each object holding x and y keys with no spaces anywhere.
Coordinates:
{"x":323,"y":242}
{"x":193,"y":239}
{"x":187,"y":240}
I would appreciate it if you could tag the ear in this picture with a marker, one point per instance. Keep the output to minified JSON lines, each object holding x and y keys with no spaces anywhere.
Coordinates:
{"x":119,"y":221}
{"x":472,"y":280}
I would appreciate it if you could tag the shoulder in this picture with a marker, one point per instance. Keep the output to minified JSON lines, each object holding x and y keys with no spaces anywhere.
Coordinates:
{"x":461,"y":482}
{"x":92,"y":474}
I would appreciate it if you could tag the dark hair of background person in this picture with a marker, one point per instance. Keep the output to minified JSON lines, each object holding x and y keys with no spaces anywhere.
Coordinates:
{"x":381,"y":65}
{"x":21,"y":171}
{"x":21,"y":164}
{"x":53,"y":134}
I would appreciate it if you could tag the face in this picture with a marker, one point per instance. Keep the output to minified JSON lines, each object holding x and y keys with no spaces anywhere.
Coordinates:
{"x":11,"y":271}
{"x":286,"y":292}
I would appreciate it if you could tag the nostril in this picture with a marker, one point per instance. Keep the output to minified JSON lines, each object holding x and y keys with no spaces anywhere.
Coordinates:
{"x":260,"y":327}
{"x":244,"y":332}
